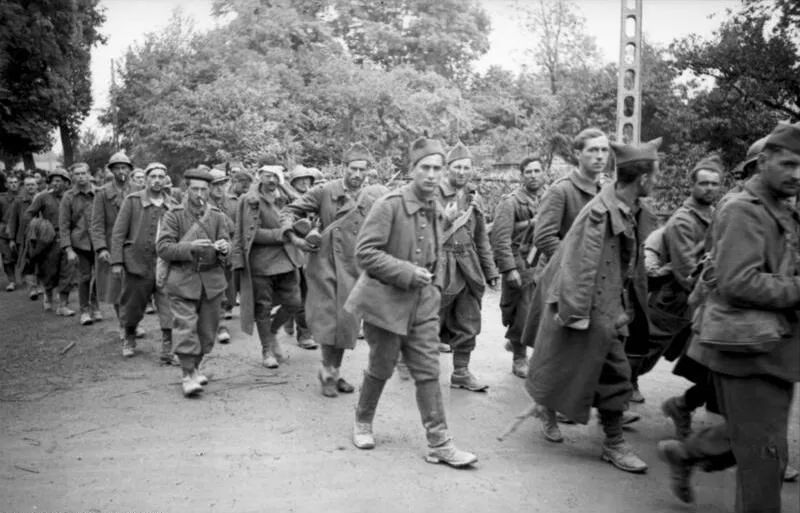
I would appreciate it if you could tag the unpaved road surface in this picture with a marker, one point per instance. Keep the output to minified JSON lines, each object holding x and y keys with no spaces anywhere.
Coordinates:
{"x":86,"y":431}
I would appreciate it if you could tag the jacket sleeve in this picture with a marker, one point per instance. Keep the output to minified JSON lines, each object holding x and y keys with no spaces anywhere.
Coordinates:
{"x":683,"y":250}
{"x":120,"y":231}
{"x":742,"y":275}
{"x":13,"y":220}
{"x":548,"y":221}
{"x":64,"y":220}
{"x":370,"y":248}
{"x":168,"y":244}
{"x":97,"y":228}
{"x":308,"y":203}
{"x":500,"y":236}
{"x":484,"y":248}
{"x":238,"y":251}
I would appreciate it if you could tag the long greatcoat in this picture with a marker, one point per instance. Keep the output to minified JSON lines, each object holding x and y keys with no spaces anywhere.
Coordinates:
{"x":247,"y":222}
{"x":584,"y":282}
{"x":107,"y":201}
{"x":332,"y":272}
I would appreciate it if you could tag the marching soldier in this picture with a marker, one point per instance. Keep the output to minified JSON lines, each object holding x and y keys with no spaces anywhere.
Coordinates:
{"x":511,"y":239}
{"x":133,"y":250}
{"x":75,"y":217}
{"x":227,"y":204}
{"x":588,"y":302}
{"x":17,"y":228}
{"x":7,"y":254}
{"x":398,"y":296}
{"x":467,"y":266}
{"x":194,"y":240}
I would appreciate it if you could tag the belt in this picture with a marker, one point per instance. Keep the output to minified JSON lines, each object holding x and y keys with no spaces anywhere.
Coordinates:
{"x":458,"y":247}
{"x":200,"y":267}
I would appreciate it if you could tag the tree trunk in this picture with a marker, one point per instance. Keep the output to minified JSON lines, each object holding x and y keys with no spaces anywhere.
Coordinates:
{"x":27,"y":160}
{"x":66,"y":143}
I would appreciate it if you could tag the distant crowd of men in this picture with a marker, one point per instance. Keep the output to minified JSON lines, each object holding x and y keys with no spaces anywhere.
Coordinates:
{"x":588,"y":279}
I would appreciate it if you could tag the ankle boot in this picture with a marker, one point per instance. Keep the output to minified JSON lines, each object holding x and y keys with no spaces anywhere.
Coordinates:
{"x":166,"y":347}
{"x":267,"y":342}
{"x":327,"y":378}
{"x":462,"y":377}
{"x":431,"y":409}
{"x":371,"y":390}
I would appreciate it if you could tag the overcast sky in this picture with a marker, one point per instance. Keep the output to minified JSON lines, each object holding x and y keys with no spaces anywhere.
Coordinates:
{"x":127,"y":21}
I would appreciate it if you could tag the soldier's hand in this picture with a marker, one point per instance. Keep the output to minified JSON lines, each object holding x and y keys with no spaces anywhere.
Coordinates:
{"x":222,"y":246}
{"x":493,"y":283}
{"x":200,"y":243}
{"x":116,"y":269}
{"x":104,"y":256}
{"x":513,"y":278}
{"x":13,"y":246}
{"x":421,"y":277}
{"x":451,"y":211}
{"x":302,"y":244}
{"x":71,"y":255}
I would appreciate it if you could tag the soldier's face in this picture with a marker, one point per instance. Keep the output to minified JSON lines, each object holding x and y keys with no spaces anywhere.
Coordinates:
{"x":301,"y":184}
{"x":269,"y":181}
{"x":13,"y":183}
{"x":138,"y":179}
{"x":156,"y":179}
{"x":240,"y":187}
{"x":459,"y":172}
{"x":780,"y":169}
{"x":58,"y":184}
{"x":217,"y":190}
{"x":198,"y":192}
{"x":533,"y":176}
{"x":121,"y":171}
{"x":706,"y":187}
{"x":354,"y":174}
{"x":427,"y":173}
{"x":649,"y":181}
{"x":80,"y":175}
{"x":594,"y":155}
{"x":30,"y":185}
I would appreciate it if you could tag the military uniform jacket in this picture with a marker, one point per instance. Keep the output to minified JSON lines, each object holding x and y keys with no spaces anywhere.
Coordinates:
{"x":467,"y":259}
{"x":192,"y":273}
{"x":107,"y":202}
{"x":684,"y":240}
{"x":752,"y":231}
{"x":509,"y":243}
{"x":47,"y":205}
{"x":133,"y":238}
{"x":75,"y":217}
{"x":17,"y":227}
{"x":6,"y":202}
{"x":387,"y":251}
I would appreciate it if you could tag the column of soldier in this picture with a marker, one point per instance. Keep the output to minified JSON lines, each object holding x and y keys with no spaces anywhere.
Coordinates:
{"x":586,"y":277}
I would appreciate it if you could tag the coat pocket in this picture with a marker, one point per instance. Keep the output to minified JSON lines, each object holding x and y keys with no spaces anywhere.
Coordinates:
{"x":381,"y":304}
{"x":740,"y":330}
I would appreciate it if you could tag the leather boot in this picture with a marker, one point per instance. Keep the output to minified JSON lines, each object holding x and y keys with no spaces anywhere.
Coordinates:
{"x":462,"y":377}
{"x":328,"y":377}
{"x":129,"y":343}
{"x":166,"y":348}
{"x":674,"y":454}
{"x":371,"y":390}
{"x":519,"y":364}
{"x":675,"y":408}
{"x":267,"y":343}
{"x":550,"y":429}
{"x":431,"y":409}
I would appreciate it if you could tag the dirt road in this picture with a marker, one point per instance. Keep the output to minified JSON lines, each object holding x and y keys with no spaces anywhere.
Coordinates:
{"x":88,"y":431}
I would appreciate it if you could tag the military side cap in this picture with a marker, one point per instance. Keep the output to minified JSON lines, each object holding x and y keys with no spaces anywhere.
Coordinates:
{"x":458,"y":152}
{"x":785,"y":136}
{"x":119,"y":158}
{"x":630,"y":153}
{"x":218,"y":176}
{"x":58,"y":172}
{"x":422,"y":148}
{"x":198,"y":174}
{"x":751,"y":157}
{"x":710,"y":163}
{"x":357,"y":152}
{"x":242,"y":176}
{"x":154,"y":165}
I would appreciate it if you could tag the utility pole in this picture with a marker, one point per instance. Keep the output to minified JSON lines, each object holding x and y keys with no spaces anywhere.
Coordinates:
{"x":113,"y":105}
{"x":629,"y":85}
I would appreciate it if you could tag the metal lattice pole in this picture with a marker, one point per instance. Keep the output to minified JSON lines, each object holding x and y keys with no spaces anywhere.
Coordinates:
{"x":629,"y":88}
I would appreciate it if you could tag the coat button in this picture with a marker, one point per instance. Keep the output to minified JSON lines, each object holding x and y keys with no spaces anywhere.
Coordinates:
{"x":419,"y":250}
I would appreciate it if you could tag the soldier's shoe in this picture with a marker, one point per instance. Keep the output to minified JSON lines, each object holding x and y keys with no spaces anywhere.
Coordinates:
{"x":674,"y":454}
{"x":622,"y":456}
{"x":636,"y":396}
{"x":629,"y":417}
{"x":307,"y":343}
{"x":97,"y":316}
{"x":140,"y":332}
{"x":86,"y":318}
{"x":65,"y":311}
{"x":33,"y":293}
{"x":362,"y":435}
{"x":190,"y":386}
{"x":269,"y":361}
{"x":508,"y":347}
{"x":450,"y":455}
{"x":223,"y":335}
{"x":150,"y":308}
{"x":675,"y":409}
{"x":463,"y":378}
{"x":344,"y":387}
{"x":289,"y":328}
{"x":563,"y":419}
{"x":790,"y":474}
{"x":445,"y":348}
{"x":550,"y":429}
{"x":200,"y":378}
{"x":328,"y":382}
{"x":227,"y":315}
{"x":519,"y":367}
{"x":11,"y":287}
{"x":169,"y":359}
{"x":128,"y":348}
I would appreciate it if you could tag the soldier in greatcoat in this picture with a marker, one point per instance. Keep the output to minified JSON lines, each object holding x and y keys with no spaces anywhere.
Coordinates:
{"x":133,"y":259}
{"x":267,"y":260}
{"x":511,"y":238}
{"x":227,"y":204}
{"x":8,"y":256}
{"x":467,"y":266}
{"x":398,"y":294}
{"x":331,"y":270}
{"x":588,"y":301}
{"x":17,"y":228}
{"x":746,"y":333}
{"x":194,"y":240}
{"x":75,"y":217}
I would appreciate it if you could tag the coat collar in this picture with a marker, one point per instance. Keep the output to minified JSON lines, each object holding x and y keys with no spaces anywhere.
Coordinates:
{"x":587,"y":186}
{"x":526,"y":197}
{"x":145,"y":199}
{"x":446,"y":189}
{"x":620,"y":215}
{"x":777,"y":208}
{"x":703,"y":212}
{"x":412,"y":202}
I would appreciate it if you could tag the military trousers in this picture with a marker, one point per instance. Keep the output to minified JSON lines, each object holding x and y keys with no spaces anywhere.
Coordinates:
{"x":514,"y":305}
{"x":53,"y":270}
{"x":753,"y":437}
{"x":87,"y":290}
{"x":195,"y":323}
{"x":613,"y":390}
{"x":460,"y":320}
{"x":135,"y":296}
